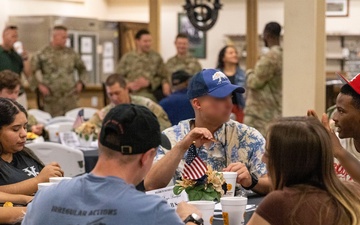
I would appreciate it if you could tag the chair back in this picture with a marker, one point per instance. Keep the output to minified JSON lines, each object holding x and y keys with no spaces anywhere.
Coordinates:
{"x":70,"y":159}
{"x":41,"y":116}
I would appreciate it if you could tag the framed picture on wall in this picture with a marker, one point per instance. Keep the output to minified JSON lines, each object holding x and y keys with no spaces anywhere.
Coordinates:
{"x":337,"y":8}
{"x":197,"y":38}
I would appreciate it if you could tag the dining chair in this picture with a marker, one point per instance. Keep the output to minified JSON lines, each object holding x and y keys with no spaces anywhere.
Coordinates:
{"x":41,"y":116}
{"x":70,"y":159}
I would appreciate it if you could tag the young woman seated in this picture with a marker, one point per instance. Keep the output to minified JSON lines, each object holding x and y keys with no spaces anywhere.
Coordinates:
{"x":300,"y":160}
{"x":20,"y":169}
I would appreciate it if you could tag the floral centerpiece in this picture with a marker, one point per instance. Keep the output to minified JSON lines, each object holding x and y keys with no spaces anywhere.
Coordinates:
{"x":87,"y":132}
{"x":210,"y":186}
{"x":199,"y":181}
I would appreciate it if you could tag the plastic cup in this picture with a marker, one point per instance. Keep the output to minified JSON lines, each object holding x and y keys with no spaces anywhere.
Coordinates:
{"x":18,"y":46}
{"x":230,"y":178}
{"x":233,"y":209}
{"x":44,"y":185}
{"x":206,"y":208}
{"x":57,"y":180}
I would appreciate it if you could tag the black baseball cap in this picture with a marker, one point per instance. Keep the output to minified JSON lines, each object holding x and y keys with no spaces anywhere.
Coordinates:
{"x":131,"y":129}
{"x":179,"y":77}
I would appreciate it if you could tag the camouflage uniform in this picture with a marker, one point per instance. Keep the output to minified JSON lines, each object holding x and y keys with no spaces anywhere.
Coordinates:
{"x":189,"y":64}
{"x":57,"y":69}
{"x":264,"y":90}
{"x":149,"y":65}
{"x":161,"y":115}
{"x":31,"y":122}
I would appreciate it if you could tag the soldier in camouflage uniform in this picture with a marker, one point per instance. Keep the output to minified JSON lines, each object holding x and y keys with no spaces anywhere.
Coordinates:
{"x":183,"y":60}
{"x":144,"y":68}
{"x":118,"y":93}
{"x":57,"y":64}
{"x":264,"y":83}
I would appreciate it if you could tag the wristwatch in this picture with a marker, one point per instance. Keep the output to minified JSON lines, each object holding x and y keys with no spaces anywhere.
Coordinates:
{"x":254,"y":181}
{"x":195,"y":219}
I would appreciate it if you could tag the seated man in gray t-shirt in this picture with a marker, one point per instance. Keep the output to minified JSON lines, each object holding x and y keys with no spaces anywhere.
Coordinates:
{"x":127,"y":142}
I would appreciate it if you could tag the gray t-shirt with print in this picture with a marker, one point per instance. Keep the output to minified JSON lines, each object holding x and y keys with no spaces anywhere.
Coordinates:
{"x":91,"y":199}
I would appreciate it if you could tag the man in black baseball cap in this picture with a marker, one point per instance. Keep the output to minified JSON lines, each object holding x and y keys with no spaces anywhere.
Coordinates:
{"x":128,"y":140}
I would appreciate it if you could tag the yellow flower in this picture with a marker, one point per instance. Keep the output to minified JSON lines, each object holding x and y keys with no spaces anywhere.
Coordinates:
{"x":8,"y":204}
{"x":185,"y":183}
{"x":214,"y":178}
{"x":87,"y":128}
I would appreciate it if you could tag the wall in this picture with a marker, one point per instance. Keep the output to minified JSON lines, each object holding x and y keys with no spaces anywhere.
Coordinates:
{"x":231,"y":18}
{"x":88,"y":9}
{"x":348,"y":24}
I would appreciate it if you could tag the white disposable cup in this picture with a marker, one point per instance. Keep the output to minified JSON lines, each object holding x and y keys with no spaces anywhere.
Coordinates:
{"x":57,"y":180}
{"x":18,"y":47}
{"x":230,"y":178}
{"x":206,"y":208}
{"x":53,"y":133}
{"x":233,"y":209}
{"x":44,"y":185}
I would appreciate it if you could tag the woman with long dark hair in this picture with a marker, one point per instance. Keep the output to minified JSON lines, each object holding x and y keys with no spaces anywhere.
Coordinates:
{"x":300,"y":165}
{"x":20,"y":169}
{"x":228,"y":63}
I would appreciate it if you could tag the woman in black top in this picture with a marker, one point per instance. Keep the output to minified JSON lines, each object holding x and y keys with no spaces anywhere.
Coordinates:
{"x":20,"y":169}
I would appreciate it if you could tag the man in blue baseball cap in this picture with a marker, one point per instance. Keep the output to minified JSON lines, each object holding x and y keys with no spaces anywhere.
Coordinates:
{"x":222,"y":143}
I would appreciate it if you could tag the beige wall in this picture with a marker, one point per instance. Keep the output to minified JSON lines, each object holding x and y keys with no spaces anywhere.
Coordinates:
{"x":304,"y":58}
{"x":231,"y":19}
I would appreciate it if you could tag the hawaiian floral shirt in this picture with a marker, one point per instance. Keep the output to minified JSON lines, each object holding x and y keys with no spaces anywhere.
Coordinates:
{"x":236,"y":143}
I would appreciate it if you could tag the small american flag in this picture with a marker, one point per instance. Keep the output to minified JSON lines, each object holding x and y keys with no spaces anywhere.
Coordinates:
{"x":194,"y":168}
{"x":79,"y":119}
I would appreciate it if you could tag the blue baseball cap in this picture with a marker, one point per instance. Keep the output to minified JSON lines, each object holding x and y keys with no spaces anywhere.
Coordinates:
{"x":211,"y":82}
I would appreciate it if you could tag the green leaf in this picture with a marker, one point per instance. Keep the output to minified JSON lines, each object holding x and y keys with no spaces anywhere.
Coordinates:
{"x":194,"y":195}
{"x":178,"y":189}
{"x":210,"y":188}
{"x":199,"y":187}
{"x":208,"y":197}
{"x":87,"y":137}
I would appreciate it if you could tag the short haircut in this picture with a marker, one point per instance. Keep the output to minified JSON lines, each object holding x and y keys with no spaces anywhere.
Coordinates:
{"x":273,"y":28}
{"x":348,"y":90}
{"x":182,"y":35}
{"x":60,"y":27}
{"x":9,"y":80}
{"x":10,"y":27}
{"x":141,"y":33}
{"x":115,"y":78}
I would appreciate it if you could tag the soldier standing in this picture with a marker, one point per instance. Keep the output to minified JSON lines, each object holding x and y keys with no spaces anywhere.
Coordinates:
{"x":57,"y":64}
{"x":264,"y":83}
{"x":144,"y":69}
{"x":183,"y":60}
{"x":14,"y":60}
